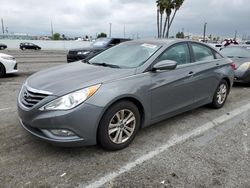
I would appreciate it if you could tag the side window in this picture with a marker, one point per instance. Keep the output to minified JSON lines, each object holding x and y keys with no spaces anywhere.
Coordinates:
{"x":202,"y":53}
{"x":218,"y":56}
{"x":178,"y":53}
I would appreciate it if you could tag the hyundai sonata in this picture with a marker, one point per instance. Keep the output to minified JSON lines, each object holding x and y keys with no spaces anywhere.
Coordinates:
{"x":107,"y":99}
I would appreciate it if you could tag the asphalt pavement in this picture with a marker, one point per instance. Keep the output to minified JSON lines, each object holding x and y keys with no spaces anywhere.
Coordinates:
{"x":200,"y":148}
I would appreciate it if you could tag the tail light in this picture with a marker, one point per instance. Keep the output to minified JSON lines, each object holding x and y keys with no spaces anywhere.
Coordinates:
{"x":233,"y":66}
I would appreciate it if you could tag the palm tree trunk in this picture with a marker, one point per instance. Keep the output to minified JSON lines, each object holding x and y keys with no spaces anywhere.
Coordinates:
{"x":158,"y":26}
{"x":167,"y":34}
{"x":165,"y":25}
{"x":172,"y":18}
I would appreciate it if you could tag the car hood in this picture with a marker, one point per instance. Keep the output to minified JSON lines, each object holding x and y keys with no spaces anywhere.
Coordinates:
{"x":64,"y":79}
{"x":240,"y":61}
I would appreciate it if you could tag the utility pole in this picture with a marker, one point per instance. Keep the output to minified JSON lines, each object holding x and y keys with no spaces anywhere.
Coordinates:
{"x":110,"y":29}
{"x":124,"y":31}
{"x":51,"y":27}
{"x":2,"y":25}
{"x":204,"y":34}
{"x":235,"y":35}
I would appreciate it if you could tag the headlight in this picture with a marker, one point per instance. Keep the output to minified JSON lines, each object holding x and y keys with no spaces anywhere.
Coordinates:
{"x":83,"y":53}
{"x":8,"y":57}
{"x":244,"y":67}
{"x":71,"y":100}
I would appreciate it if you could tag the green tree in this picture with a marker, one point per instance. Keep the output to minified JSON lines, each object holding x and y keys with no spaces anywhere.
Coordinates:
{"x":56,"y":36}
{"x":180,"y":35}
{"x":168,"y":7}
{"x":101,"y":35}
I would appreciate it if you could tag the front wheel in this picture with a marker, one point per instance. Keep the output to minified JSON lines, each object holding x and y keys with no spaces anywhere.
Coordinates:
{"x":119,"y":126}
{"x":2,"y":70}
{"x":220,"y":95}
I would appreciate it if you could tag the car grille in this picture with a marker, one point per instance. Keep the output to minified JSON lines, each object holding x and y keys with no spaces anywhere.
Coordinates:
{"x":30,"y":98}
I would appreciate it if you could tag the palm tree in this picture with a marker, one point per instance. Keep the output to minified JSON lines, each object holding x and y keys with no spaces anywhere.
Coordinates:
{"x":168,"y":5}
{"x":176,"y":6}
{"x":160,"y":9}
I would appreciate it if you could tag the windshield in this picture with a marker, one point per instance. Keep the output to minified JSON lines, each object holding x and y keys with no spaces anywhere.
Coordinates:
{"x":126,"y":55}
{"x":235,"y":52}
{"x":101,"y":42}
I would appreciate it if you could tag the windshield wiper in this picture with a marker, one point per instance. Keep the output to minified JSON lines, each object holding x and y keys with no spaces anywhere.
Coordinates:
{"x":106,"y":65}
{"x":85,"y":61}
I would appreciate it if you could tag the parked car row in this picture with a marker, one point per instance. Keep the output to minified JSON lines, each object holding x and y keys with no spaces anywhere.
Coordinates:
{"x":23,"y":46}
{"x":108,"y":97}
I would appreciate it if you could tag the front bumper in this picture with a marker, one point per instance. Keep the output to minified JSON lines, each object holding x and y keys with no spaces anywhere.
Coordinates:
{"x":73,"y":58}
{"x":10,"y":66}
{"x":82,"y":121}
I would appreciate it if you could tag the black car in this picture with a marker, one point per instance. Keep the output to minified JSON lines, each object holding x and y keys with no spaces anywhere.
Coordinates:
{"x":29,"y":46}
{"x":3,"y":46}
{"x":96,"y":47}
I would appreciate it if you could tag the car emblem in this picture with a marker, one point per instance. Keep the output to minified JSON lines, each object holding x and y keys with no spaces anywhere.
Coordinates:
{"x":25,"y":95}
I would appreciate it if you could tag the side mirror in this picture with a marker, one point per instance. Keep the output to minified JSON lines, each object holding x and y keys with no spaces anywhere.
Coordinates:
{"x":165,"y":65}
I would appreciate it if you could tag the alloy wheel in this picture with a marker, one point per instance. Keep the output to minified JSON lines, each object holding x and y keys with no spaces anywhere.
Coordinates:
{"x":122,"y":126}
{"x":222,"y":94}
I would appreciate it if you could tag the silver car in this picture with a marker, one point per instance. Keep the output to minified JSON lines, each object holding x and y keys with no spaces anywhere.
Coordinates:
{"x":240,"y":55}
{"x":107,"y":99}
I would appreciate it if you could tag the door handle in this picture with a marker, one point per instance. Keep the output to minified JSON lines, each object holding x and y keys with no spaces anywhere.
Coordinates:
{"x":217,"y":64}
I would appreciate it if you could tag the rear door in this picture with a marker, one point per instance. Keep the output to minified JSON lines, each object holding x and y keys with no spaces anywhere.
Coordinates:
{"x":206,"y":62}
{"x":172,"y":90}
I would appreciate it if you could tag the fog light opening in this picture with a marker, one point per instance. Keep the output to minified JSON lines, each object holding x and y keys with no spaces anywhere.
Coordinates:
{"x":62,"y":133}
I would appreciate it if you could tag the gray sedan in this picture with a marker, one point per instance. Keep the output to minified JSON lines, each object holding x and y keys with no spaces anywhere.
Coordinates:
{"x":241,"y":58}
{"x":107,"y":99}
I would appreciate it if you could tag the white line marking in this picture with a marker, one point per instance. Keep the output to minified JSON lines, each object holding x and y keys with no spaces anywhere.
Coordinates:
{"x":6,"y":109}
{"x":173,"y":141}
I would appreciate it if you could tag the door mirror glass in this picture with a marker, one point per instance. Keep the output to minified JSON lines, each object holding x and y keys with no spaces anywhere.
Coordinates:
{"x":165,"y":65}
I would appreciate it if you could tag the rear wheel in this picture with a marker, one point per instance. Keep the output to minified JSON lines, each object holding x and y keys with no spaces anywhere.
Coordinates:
{"x":220,"y":95}
{"x":2,"y":70}
{"x":119,"y":126}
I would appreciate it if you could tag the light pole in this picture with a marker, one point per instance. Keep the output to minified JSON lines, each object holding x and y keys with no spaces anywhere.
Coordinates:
{"x":235,"y":35}
{"x":204,"y":34}
{"x":124,"y":31}
{"x":110,"y":29}
{"x":2,"y":25}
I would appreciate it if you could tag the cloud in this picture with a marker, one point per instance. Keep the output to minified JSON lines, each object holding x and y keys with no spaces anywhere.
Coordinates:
{"x":80,"y":17}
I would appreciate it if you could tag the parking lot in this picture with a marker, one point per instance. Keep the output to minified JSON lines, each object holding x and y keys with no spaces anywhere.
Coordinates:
{"x":200,"y":148}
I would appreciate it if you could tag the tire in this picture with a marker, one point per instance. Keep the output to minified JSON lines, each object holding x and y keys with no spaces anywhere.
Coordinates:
{"x":220,"y":95}
{"x":114,"y":134}
{"x":2,"y":70}
{"x":23,"y":48}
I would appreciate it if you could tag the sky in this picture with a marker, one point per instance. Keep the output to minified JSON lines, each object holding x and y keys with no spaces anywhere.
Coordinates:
{"x":88,"y":17}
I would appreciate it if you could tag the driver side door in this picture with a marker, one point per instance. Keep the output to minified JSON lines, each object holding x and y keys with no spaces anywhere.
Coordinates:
{"x":172,"y":90}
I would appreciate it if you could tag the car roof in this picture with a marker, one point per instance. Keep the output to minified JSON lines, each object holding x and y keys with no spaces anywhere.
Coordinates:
{"x":161,"y":42}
